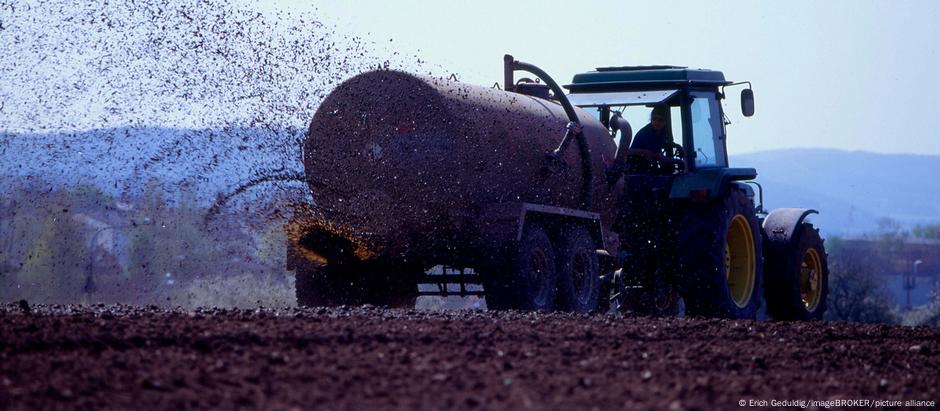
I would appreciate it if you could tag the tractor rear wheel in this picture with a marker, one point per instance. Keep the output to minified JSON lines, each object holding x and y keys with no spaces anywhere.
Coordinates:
{"x":720,"y":258}
{"x":798,"y":277}
{"x":579,"y":270}
{"x":355,"y":284}
{"x":528,"y":279}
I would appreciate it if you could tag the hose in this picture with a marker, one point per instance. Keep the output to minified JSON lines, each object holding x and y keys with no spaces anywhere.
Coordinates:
{"x":574,"y":128}
{"x":222,"y":199}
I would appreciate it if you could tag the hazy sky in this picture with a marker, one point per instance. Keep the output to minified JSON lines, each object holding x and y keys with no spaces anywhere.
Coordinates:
{"x":857,"y":75}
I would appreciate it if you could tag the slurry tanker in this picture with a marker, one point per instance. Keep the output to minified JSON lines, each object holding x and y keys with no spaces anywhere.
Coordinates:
{"x":533,"y":192}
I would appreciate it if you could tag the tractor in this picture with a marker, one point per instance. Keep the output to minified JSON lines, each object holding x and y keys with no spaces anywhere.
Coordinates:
{"x":692,"y":234}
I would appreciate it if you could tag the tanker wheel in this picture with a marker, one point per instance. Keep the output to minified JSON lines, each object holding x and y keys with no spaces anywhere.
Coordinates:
{"x":335,"y":285}
{"x":321,"y":286}
{"x":719,"y":246}
{"x":798,"y":277}
{"x":391,"y":286}
{"x":528,"y":279}
{"x":579,"y":270}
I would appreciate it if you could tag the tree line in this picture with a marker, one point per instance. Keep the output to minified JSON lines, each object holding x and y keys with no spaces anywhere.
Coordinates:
{"x":86,"y":245}
{"x":857,"y":288}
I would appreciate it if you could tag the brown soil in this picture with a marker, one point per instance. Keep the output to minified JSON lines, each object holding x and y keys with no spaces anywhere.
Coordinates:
{"x":368,"y":358}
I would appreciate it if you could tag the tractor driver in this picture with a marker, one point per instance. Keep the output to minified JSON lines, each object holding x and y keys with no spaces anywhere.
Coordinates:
{"x":656,"y":137}
{"x":653,"y":143}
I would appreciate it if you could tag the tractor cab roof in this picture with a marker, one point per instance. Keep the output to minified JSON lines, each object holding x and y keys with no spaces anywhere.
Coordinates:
{"x":628,"y":78}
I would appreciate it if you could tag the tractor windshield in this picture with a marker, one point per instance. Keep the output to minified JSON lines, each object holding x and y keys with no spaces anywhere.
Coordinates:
{"x":638,"y":115}
{"x":620,"y":98}
{"x":707,"y":130}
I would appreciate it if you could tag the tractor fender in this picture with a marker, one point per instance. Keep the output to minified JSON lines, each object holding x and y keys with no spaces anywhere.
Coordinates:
{"x":781,"y":223}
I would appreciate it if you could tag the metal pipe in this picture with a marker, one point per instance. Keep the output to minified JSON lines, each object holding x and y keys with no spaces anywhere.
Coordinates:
{"x":556,"y":89}
{"x":618,"y":123}
{"x":509,"y":84}
{"x":573,"y":129}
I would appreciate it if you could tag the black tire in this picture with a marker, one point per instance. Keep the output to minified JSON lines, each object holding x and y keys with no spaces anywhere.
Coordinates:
{"x":797,"y":275}
{"x":703,"y":241}
{"x":579,"y":270}
{"x":335,"y":285}
{"x":314,"y":288}
{"x":393,"y":287}
{"x":528,"y":279}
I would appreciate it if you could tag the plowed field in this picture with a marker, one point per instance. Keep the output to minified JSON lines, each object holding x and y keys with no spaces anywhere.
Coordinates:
{"x":120,"y":357}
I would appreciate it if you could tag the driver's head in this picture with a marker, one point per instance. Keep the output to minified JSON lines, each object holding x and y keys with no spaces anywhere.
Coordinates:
{"x":658,"y":118}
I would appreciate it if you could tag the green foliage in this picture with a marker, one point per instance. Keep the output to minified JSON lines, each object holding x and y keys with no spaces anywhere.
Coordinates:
{"x":891,"y":236}
{"x":856,"y":291}
{"x":54,"y":268}
{"x":171,"y":246}
{"x":933,"y":318}
{"x":857,"y":295}
{"x":18,"y":229}
{"x":147,"y":261}
{"x":928,"y":314}
{"x":52,"y":242}
{"x":931,"y":232}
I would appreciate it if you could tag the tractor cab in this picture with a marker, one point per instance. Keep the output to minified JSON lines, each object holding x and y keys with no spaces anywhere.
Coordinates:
{"x":693,"y":139}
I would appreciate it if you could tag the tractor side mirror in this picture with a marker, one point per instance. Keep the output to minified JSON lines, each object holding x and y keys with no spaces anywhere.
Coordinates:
{"x":747,"y":102}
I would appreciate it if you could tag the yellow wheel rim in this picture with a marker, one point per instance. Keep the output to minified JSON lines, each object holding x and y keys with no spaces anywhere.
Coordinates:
{"x":740,"y":261}
{"x":811,"y":279}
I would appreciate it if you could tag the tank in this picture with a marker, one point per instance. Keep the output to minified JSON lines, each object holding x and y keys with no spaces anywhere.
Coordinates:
{"x":401,"y":166}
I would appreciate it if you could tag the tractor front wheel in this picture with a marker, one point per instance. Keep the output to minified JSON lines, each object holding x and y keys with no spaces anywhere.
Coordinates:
{"x":798,"y":277}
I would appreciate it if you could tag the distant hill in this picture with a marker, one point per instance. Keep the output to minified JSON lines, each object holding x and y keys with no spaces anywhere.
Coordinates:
{"x":851,"y":189}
